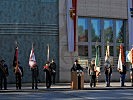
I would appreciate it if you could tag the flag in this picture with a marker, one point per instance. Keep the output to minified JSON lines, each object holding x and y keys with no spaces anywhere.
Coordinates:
{"x":130,"y":56}
{"x":97,"y":61}
{"x":121,"y":60}
{"x":15,"y":60}
{"x":32,"y":60}
{"x":47,"y":52}
{"x":71,"y":24}
{"x":107,"y":54}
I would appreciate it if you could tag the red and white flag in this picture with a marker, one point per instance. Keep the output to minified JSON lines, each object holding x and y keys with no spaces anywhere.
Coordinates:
{"x":130,"y":56}
{"x":32,"y":60}
{"x":107,"y":53}
{"x":121,"y":60}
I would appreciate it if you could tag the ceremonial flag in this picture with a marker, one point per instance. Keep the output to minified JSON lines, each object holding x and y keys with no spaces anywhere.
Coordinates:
{"x":97,"y":61}
{"x":130,"y":56}
{"x":107,"y":53}
{"x":71,"y":24}
{"x":121,"y":60}
{"x":47,"y":52}
{"x":32,"y":60}
{"x":15,"y":60}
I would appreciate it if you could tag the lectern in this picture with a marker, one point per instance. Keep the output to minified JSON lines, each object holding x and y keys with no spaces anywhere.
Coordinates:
{"x":77,"y":79}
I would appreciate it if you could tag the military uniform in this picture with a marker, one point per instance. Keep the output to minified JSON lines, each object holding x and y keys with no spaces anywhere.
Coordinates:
{"x":122,"y":75}
{"x":3,"y":74}
{"x":108,"y":72}
{"x":18,"y":76}
{"x":92,"y":73}
{"x":53,"y":74}
{"x":35,"y":73}
{"x":131,"y":75}
{"x":47,"y":69}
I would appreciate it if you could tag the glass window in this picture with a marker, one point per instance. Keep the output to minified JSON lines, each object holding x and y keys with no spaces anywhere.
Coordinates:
{"x":119,"y":31}
{"x":95,"y":30}
{"x":108,"y":31}
{"x":82,"y":30}
{"x":82,"y":50}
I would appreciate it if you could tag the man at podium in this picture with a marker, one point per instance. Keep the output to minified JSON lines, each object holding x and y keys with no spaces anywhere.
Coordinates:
{"x":76,"y":66}
{"x":77,"y":76}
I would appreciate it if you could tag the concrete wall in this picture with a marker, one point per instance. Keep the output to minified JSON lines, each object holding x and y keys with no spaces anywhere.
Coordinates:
{"x":27,"y":22}
{"x":87,"y":8}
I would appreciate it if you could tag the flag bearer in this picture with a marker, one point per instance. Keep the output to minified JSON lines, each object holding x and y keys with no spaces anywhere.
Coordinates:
{"x":3,"y":74}
{"x":19,"y":74}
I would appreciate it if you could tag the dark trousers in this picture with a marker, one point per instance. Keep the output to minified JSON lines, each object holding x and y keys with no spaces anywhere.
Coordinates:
{"x":93,"y":80}
{"x":3,"y":79}
{"x":53,"y":77}
{"x":122,"y":79}
{"x":108,"y":77}
{"x":48,"y":79}
{"x":18,"y":81}
{"x":34,"y":79}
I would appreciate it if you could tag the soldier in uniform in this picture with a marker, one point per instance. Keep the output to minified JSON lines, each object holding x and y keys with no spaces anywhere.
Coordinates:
{"x":35,"y":73}
{"x":47,"y":68}
{"x":108,"y":72}
{"x":122,"y":75}
{"x":19,"y":74}
{"x":3,"y":74}
{"x":92,"y":73}
{"x":53,"y":67}
{"x":131,"y":74}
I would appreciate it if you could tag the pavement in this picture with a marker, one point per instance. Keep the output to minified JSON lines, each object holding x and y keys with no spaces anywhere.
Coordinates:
{"x":26,"y":87}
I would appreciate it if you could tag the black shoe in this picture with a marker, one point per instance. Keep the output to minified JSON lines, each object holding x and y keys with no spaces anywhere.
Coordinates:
{"x":36,"y":88}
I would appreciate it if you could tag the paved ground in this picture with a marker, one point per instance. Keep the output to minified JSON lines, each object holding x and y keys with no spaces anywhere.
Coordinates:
{"x":62,"y":91}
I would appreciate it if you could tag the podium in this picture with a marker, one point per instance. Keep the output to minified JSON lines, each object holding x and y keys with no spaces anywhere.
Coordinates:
{"x":77,"y":79}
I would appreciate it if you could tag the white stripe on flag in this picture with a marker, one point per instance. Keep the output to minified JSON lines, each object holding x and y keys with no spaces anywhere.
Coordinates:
{"x":120,"y":62}
{"x":70,"y":27}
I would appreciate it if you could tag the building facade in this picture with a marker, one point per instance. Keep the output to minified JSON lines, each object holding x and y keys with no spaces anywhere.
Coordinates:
{"x":43,"y":22}
{"x":99,"y":22}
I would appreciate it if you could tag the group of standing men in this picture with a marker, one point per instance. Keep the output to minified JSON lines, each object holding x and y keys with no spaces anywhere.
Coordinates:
{"x":49,"y":68}
{"x":108,"y":73}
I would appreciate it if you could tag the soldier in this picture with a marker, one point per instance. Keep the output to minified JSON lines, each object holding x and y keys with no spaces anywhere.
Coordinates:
{"x":53,"y":74}
{"x":35,"y":73}
{"x":48,"y":71}
{"x":19,"y":74}
{"x":92,"y":73}
{"x":3,"y":74}
{"x":108,"y":72}
{"x":122,"y":75}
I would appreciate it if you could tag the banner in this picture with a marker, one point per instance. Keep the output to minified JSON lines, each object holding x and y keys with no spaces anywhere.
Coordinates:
{"x":71,"y":24}
{"x":130,"y":23}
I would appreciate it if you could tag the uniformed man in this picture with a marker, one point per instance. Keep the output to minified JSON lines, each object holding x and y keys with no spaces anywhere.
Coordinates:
{"x":122,"y":75}
{"x":108,"y":72}
{"x":3,"y":74}
{"x":18,"y":74}
{"x":53,"y":67}
{"x":92,"y":73}
{"x":35,"y":73}
{"x":131,"y":74}
{"x":48,"y":70}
